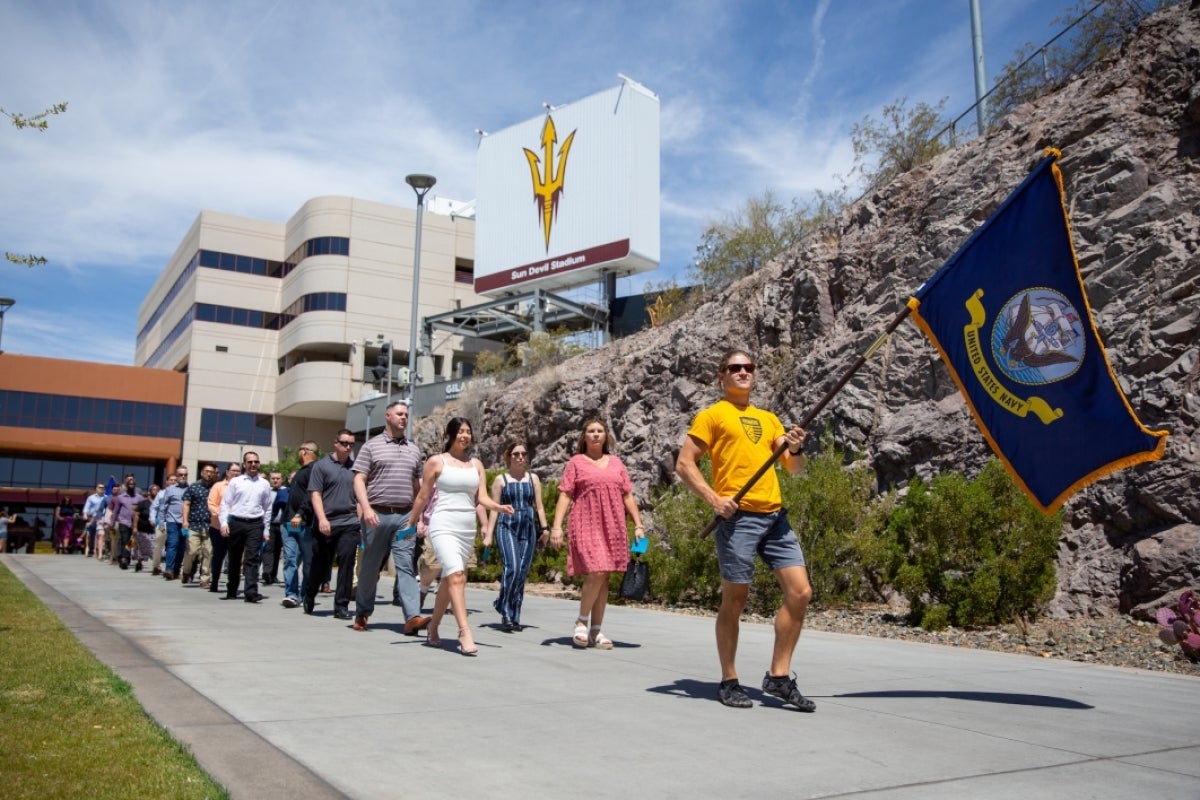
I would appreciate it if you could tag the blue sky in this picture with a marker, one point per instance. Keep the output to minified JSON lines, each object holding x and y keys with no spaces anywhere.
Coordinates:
{"x":253,"y":107}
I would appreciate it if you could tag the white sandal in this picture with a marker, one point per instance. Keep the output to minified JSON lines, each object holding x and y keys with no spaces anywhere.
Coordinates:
{"x":598,"y":640}
{"x":581,"y":639}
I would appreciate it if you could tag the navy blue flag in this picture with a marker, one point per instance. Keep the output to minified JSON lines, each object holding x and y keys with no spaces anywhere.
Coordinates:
{"x":1009,"y":315}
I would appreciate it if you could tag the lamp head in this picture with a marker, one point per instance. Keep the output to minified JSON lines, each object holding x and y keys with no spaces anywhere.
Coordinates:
{"x":420,"y":183}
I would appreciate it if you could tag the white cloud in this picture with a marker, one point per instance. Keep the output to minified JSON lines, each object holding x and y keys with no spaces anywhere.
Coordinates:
{"x":253,"y":107}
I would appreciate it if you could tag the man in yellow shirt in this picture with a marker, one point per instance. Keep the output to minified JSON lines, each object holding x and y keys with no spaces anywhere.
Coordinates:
{"x":739,"y":438}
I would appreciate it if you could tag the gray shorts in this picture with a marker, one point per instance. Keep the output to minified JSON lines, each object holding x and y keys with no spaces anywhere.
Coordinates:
{"x":747,"y":533}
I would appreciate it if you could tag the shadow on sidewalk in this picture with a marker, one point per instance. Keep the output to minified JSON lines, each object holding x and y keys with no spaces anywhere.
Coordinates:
{"x":1040,"y":700}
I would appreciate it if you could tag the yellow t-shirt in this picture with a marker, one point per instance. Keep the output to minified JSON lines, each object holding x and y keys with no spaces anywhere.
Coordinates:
{"x":740,"y":441}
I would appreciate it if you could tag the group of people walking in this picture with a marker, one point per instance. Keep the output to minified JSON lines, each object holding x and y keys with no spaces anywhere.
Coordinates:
{"x":390,"y":503}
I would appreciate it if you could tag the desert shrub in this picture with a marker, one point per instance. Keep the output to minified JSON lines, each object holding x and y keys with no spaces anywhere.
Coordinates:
{"x":683,"y":564}
{"x":980,"y":549}
{"x":831,"y":509}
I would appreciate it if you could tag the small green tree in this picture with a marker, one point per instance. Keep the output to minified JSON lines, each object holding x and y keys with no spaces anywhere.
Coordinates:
{"x":288,"y":462}
{"x":975,"y":552}
{"x":37,"y":122}
{"x":1092,"y":31}
{"x":901,"y":141}
{"x":490,"y":362}
{"x":761,"y":229}
{"x":548,"y":348}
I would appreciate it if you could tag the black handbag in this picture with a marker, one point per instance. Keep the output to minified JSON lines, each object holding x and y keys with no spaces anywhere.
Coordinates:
{"x":636,"y":581}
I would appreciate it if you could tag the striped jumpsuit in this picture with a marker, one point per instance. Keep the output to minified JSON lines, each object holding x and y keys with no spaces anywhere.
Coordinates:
{"x":516,"y":536}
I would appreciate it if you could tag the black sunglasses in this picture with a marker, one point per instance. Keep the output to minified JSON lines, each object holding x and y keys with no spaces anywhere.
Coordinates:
{"x":346,"y":444}
{"x":734,"y":368}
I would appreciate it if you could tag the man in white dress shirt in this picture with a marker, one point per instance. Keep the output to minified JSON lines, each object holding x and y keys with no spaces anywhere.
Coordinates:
{"x":245,"y":515}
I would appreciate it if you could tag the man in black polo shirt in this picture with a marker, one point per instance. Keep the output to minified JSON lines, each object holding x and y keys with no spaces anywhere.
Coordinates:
{"x":336,"y":527}
{"x":387,"y":475}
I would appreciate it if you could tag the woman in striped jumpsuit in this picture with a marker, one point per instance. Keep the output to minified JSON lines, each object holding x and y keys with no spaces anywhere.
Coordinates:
{"x":516,"y":534}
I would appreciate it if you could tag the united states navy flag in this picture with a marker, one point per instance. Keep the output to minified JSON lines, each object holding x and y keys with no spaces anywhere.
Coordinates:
{"x":1009,"y":315}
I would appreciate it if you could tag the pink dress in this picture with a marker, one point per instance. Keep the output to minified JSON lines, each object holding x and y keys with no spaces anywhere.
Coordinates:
{"x":597,"y":537}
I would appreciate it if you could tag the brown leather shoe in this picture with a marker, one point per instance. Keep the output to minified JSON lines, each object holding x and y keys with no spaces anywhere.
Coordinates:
{"x":360,"y":623}
{"x":414,"y":624}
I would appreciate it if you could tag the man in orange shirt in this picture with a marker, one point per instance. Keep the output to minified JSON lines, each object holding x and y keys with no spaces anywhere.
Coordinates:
{"x":214,"y":531}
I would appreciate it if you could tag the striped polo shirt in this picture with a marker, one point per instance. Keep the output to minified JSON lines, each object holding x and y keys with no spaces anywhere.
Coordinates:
{"x":391,"y":466}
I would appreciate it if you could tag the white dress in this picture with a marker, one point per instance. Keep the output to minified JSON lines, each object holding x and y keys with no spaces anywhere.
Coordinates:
{"x":453,"y":523}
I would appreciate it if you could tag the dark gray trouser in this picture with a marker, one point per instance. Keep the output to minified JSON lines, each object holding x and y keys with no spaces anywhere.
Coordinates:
{"x":124,"y":533}
{"x":379,"y":540}
{"x":342,"y":542}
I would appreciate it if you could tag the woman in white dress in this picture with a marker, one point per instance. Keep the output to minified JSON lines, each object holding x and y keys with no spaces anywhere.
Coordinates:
{"x":461,"y":485}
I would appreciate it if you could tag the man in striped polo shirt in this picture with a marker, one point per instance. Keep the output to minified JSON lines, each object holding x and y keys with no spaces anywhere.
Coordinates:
{"x":387,"y":475}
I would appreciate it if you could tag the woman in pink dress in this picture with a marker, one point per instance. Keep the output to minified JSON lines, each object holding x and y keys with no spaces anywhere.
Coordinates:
{"x":64,"y":527}
{"x":597,"y":490}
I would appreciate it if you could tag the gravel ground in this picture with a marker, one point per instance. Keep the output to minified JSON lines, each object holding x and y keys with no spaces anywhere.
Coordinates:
{"x":1114,"y":641}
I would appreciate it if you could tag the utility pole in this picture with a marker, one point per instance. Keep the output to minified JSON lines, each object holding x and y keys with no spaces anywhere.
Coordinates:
{"x":980,"y":69}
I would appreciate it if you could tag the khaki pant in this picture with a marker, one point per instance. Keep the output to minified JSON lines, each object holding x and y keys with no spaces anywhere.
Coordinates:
{"x":160,"y":543}
{"x":114,"y":542}
{"x":198,"y":546}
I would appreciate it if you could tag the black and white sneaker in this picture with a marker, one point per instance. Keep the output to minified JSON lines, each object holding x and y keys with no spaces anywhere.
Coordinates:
{"x":733,"y":695}
{"x":785,"y":689}
{"x":288,"y":602}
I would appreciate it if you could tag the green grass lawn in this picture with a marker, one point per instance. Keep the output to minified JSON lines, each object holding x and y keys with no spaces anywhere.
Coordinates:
{"x":69,"y":727}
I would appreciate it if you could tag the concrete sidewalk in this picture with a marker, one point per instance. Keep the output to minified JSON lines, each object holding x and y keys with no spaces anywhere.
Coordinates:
{"x":277,"y":704}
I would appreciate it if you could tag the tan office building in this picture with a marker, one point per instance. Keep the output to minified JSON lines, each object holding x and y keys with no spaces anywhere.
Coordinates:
{"x":278,"y":325}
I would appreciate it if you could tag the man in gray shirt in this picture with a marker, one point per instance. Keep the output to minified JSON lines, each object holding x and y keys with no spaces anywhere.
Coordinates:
{"x":335,"y":524}
{"x":170,"y":513}
{"x":387,"y":476}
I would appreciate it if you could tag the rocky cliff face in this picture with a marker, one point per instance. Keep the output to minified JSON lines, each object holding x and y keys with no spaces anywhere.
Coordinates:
{"x":1129,"y":132}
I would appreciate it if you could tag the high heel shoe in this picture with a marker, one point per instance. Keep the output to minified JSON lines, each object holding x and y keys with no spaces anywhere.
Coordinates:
{"x":463,"y":648}
{"x":432,"y":639}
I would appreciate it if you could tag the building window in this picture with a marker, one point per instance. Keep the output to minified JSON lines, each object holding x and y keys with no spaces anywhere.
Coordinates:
{"x":247,"y":265}
{"x":247,"y":318}
{"x":79,"y":476}
{"x":90,"y":415}
{"x":320,"y":246}
{"x":186,"y":273}
{"x":464,"y":270}
{"x":233,"y":427}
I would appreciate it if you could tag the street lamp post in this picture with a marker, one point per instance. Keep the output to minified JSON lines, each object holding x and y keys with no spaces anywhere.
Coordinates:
{"x":421,"y":184}
{"x":7,"y":302}
{"x":369,"y":407}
